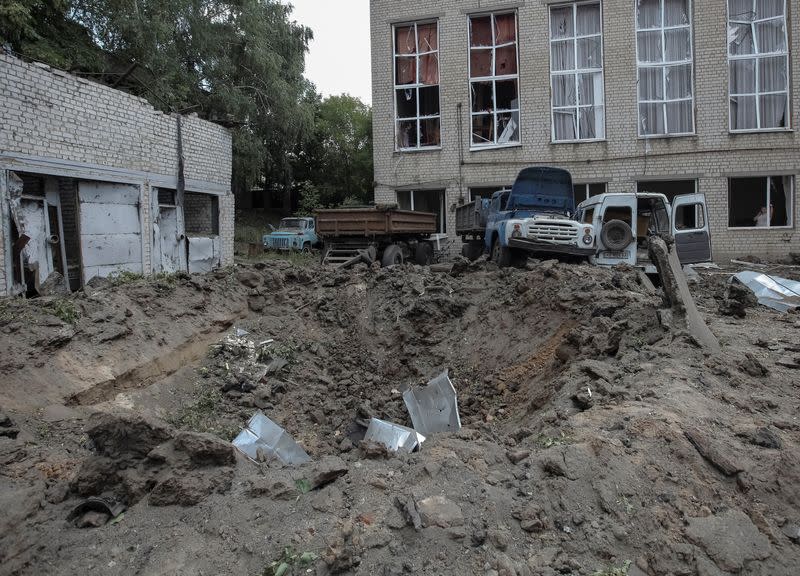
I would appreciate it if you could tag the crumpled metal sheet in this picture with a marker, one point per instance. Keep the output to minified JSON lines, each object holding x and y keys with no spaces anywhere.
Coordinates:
{"x":395,"y":437}
{"x":778,"y":293}
{"x":264,"y":436}
{"x":434,"y":408}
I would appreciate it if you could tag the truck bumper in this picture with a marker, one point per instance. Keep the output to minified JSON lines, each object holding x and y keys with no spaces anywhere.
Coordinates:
{"x":546,"y":247}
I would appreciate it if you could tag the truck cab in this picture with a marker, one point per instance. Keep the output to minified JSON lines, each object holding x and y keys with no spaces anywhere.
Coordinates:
{"x":292,"y":234}
{"x":624,"y":222}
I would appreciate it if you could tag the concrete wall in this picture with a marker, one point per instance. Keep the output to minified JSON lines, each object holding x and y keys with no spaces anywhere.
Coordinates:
{"x":710,"y":156}
{"x":57,"y":124}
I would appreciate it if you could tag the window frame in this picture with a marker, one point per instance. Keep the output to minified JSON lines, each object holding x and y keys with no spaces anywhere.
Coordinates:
{"x":417,"y":85}
{"x":494,"y":79}
{"x":758,"y":57}
{"x":575,"y":72}
{"x":663,"y":28}
{"x":586,"y":186}
{"x":413,"y":191}
{"x":789,"y":209}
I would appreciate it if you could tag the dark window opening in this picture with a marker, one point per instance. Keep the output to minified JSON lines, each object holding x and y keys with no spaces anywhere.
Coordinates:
{"x":201,"y":214}
{"x":583,"y":192}
{"x":669,"y":188}
{"x":166,"y":197}
{"x":760,"y":202}
{"x":425,"y":201}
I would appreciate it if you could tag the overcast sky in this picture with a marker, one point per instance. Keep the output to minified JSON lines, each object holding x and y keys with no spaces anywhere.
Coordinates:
{"x":339,"y":61}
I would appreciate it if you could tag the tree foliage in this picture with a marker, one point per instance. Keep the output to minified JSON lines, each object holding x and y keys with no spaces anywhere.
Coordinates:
{"x":337,"y":158}
{"x":235,"y":61}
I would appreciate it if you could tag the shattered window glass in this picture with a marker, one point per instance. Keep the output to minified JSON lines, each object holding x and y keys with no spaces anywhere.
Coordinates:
{"x":494,"y":78}
{"x":416,"y":79}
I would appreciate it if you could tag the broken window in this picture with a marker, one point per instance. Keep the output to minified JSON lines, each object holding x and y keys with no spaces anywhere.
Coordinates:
{"x":201,"y":214}
{"x":416,"y":86}
{"x":494,"y":79}
{"x":669,"y":188}
{"x":764,"y":202}
{"x":425,"y":201}
{"x":665,"y":67}
{"x":576,"y":72}
{"x":758,"y":59}
{"x":583,"y":192}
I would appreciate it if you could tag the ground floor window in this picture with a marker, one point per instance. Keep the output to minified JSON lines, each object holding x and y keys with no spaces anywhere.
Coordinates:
{"x":583,"y":192}
{"x":425,"y":201}
{"x":201,"y":214}
{"x":689,"y":216}
{"x":485,"y":191}
{"x":764,"y":202}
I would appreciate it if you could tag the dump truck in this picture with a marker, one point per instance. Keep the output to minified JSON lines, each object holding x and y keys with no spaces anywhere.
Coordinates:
{"x":380,"y":233}
{"x":533,"y":217}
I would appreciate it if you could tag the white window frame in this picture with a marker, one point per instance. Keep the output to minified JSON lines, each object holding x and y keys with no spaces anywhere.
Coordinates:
{"x":416,"y":86}
{"x":789,"y":209}
{"x":494,"y":80}
{"x":443,"y":213}
{"x":664,"y":65}
{"x":585,"y":187}
{"x":576,"y":72}
{"x":758,"y":57}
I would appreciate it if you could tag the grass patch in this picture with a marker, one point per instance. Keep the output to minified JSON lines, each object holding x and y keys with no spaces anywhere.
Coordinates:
{"x":295,"y":257}
{"x":64,"y":309}
{"x":546,"y":441}
{"x":124,"y":277}
{"x":614,"y":571}
{"x":203,"y":415}
{"x":289,"y":561}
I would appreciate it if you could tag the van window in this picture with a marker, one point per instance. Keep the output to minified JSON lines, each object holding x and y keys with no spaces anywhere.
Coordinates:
{"x":623,"y":213}
{"x":689,"y":217}
{"x":587,"y":215}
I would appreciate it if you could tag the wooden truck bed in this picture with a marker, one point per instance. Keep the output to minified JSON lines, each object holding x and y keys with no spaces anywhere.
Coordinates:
{"x":372,"y":222}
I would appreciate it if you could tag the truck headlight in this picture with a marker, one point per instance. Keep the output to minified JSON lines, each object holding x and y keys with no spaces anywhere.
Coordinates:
{"x":588,"y":240}
{"x":517,"y":232}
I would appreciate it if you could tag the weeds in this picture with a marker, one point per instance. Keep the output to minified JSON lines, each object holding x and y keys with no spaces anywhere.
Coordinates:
{"x":124,"y":277}
{"x":546,"y":441}
{"x":203,"y":415}
{"x":63,"y":309}
{"x":285,"y":565}
{"x":614,"y":571}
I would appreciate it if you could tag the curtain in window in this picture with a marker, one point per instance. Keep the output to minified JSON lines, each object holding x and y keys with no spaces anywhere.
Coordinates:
{"x":565,"y":124}
{"x":676,"y":12}
{"x":588,"y":19}
{"x":648,"y":14}
{"x":429,"y":69}
{"x":505,"y":29}
{"x":428,"y":37}
{"x":563,"y":55}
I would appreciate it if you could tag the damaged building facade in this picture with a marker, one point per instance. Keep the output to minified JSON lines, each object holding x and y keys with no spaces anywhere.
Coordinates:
{"x":672,"y":96}
{"x":95,"y":181}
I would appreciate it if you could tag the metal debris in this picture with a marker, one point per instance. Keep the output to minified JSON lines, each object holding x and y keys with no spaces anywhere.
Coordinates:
{"x":434,"y":408}
{"x":773,"y":291}
{"x":263,"y":440}
{"x":395,"y":437}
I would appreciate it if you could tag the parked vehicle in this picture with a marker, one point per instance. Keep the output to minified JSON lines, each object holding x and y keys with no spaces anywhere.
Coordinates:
{"x":293,"y":234}
{"x":380,"y":233}
{"x":626,"y":220}
{"x":535,"y":216}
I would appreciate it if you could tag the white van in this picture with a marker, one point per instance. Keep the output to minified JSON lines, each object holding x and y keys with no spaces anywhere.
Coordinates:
{"x":623,"y":222}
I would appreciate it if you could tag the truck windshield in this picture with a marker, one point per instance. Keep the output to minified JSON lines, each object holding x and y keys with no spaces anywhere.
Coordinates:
{"x":292,"y":224}
{"x":544,"y":189}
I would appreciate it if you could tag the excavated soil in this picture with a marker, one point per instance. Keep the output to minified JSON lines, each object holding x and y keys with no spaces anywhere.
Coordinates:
{"x":595,"y":440}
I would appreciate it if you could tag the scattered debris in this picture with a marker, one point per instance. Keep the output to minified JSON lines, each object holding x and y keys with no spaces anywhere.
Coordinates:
{"x":434,"y":408}
{"x":263,"y":440}
{"x":775,"y":292}
{"x":394,"y":437}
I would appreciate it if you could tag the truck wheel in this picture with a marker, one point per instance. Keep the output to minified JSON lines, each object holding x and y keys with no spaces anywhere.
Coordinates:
{"x":392,"y":256}
{"x":616,"y":235}
{"x":423,"y":254}
{"x":519,"y":258}
{"x":501,"y":255}
{"x":307,"y":247}
{"x":472,"y":250}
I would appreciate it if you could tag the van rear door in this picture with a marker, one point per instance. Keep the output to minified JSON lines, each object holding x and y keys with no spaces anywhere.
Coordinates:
{"x":689,"y":223}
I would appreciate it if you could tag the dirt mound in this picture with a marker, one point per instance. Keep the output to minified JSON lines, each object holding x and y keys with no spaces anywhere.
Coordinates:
{"x":595,"y":438}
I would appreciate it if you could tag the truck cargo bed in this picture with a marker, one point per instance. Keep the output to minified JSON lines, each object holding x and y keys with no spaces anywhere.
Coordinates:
{"x":374,"y":222}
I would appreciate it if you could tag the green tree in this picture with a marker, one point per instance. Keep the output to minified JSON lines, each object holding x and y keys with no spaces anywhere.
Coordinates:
{"x":239,"y":62}
{"x":337,"y":158}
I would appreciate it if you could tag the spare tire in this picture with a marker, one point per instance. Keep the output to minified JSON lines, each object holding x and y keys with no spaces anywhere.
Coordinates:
{"x":616,"y":235}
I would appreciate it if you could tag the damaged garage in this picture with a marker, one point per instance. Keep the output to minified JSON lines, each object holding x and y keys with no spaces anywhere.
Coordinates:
{"x":96,"y":182}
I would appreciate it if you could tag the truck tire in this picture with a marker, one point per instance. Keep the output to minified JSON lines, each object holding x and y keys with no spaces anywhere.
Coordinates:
{"x":501,"y":255}
{"x":423,"y":254}
{"x":472,"y":250}
{"x":519,"y":258}
{"x":392,"y":256}
{"x":616,"y":235}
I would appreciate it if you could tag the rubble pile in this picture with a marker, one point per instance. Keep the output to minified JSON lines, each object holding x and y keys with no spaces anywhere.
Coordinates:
{"x":587,"y":434}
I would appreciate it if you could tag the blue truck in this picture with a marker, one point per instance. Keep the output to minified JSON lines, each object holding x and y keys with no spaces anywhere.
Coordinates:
{"x":533,"y":217}
{"x":293,"y":234}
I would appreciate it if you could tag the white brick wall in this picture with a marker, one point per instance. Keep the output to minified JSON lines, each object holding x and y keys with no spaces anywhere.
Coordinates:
{"x":52,"y":118}
{"x":711,"y":156}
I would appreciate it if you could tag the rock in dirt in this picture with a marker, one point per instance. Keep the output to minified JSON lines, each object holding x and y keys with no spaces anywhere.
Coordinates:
{"x":730,"y":539}
{"x":517,"y":456}
{"x":249,"y":278}
{"x":752,"y":366}
{"x":326,"y":471}
{"x":188,"y":489}
{"x":123,"y":436}
{"x":583,"y":399}
{"x":738,"y":298}
{"x":792,"y":531}
{"x":205,"y":449}
{"x":439,"y":511}
{"x":766,"y":438}
{"x":714,"y":451}
{"x":7,"y":427}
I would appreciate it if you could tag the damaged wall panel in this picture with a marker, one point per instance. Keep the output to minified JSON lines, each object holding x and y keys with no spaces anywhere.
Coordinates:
{"x":204,"y":254}
{"x":110,"y":226}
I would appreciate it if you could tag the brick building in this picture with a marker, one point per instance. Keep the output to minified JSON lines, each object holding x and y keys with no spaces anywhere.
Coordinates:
{"x":95,"y":181}
{"x":672,"y":96}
